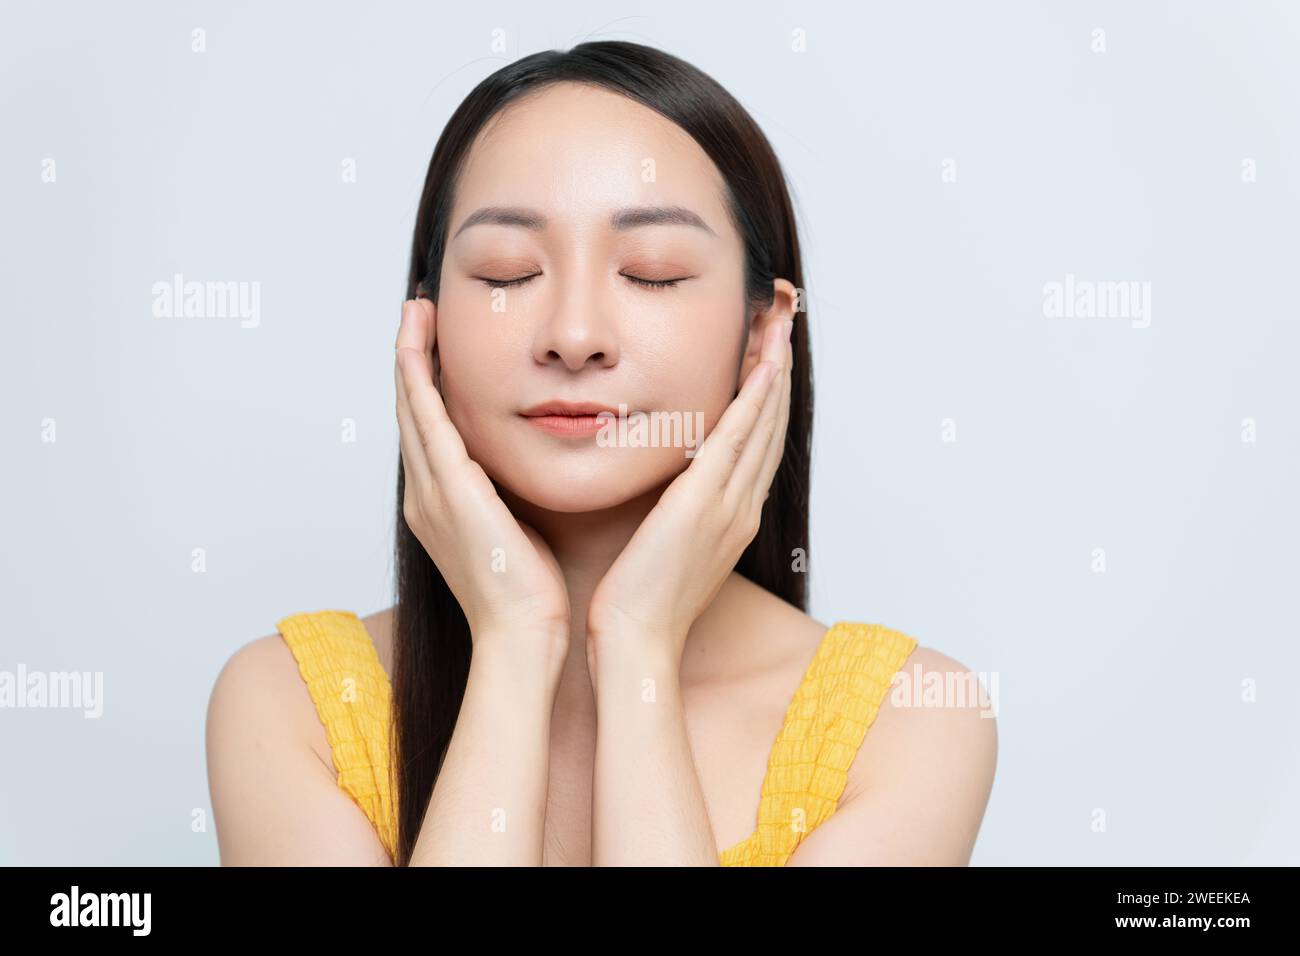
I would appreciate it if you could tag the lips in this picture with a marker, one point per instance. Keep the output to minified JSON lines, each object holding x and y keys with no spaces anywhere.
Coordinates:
{"x":575,"y":409}
{"x":569,"y":419}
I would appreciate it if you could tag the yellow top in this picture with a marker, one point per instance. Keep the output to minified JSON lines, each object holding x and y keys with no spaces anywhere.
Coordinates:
{"x":825,"y":723}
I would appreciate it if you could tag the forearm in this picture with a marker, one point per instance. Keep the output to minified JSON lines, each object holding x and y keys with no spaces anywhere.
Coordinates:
{"x":647,"y":804}
{"x":489,"y":803}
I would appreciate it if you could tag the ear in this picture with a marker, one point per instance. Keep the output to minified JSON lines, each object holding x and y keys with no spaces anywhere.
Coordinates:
{"x":784,"y":300}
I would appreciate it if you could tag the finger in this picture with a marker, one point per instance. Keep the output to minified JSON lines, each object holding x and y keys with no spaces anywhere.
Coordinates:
{"x":776,"y":448}
{"x":431,"y":339}
{"x":444,"y":451}
{"x":717,"y":457}
{"x":444,"y":448}
{"x":413,"y":333}
{"x":745,"y":478}
{"x":413,"y":454}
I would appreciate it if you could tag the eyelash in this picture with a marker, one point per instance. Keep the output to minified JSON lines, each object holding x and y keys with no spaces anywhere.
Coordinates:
{"x":652,"y":283}
{"x":647,"y":283}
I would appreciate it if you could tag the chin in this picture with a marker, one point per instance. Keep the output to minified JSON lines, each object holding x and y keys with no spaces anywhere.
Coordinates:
{"x":572,"y":480}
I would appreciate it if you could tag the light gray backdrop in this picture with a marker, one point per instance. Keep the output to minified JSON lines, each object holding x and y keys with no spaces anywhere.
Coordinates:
{"x":1100,"y":511}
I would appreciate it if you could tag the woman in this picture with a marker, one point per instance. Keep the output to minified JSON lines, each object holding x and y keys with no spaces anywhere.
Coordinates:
{"x":599,"y":653}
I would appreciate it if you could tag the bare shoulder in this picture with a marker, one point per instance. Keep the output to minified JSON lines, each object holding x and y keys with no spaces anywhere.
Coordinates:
{"x":938,"y":711}
{"x":942,"y":696}
{"x":931,"y":753}
{"x":261,"y":685}
{"x":921,"y":779}
{"x":262,"y":677}
{"x":270,"y":774}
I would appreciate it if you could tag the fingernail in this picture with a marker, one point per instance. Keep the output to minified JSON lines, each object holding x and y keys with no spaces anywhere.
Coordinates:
{"x":789,"y":328}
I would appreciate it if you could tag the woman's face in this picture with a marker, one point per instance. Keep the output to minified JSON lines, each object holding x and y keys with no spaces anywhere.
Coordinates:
{"x":566,"y":170}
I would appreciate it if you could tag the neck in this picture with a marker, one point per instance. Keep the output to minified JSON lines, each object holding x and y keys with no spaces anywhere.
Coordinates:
{"x":585,"y":545}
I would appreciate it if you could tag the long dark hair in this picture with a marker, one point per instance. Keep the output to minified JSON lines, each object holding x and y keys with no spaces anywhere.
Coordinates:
{"x":431,"y":639}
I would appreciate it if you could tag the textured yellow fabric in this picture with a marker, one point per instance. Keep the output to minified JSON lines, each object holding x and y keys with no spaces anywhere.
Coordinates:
{"x":352,"y":694}
{"x":827,"y":719}
{"x":825,"y":723}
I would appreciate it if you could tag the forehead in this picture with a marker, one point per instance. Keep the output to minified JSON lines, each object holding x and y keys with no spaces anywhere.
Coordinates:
{"x":575,"y":152}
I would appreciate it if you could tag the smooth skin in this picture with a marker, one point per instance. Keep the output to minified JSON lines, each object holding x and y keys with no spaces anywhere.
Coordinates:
{"x":626,"y":685}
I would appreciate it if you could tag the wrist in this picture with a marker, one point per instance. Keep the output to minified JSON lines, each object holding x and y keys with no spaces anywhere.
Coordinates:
{"x":524,"y":650}
{"x":656,"y":654}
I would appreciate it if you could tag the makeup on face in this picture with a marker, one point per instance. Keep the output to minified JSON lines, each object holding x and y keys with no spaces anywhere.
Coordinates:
{"x":649,"y":247}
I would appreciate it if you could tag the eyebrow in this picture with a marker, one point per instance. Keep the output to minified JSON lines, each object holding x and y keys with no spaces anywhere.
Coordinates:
{"x":632,"y":217}
{"x":658,"y":216}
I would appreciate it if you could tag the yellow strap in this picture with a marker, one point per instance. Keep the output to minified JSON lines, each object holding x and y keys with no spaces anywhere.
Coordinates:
{"x":351,"y":691}
{"x":825,"y":724}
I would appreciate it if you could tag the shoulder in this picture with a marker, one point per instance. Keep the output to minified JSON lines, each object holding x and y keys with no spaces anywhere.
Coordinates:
{"x":262,"y":683}
{"x":937,"y":707}
{"x":260,"y":698}
{"x":933,"y":745}
{"x":271,"y":777}
{"x":941,"y":698}
{"x":254,"y":668}
{"x":921,"y":778}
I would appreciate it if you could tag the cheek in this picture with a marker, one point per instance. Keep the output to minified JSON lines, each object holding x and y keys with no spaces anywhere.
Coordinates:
{"x":470,"y":358}
{"x":697,"y":363}
{"x":475,"y":343}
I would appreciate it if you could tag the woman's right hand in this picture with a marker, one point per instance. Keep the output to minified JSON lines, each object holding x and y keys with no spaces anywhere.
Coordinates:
{"x":501,"y":571}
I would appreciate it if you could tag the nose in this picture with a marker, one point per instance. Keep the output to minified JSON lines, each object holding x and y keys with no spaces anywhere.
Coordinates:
{"x":580,"y":332}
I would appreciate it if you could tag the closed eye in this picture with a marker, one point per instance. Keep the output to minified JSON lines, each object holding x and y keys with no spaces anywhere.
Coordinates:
{"x":654,"y":283}
{"x":502,"y":283}
{"x":646,"y":283}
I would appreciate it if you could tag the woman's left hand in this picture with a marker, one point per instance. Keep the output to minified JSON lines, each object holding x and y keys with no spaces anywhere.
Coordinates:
{"x":689,"y":543}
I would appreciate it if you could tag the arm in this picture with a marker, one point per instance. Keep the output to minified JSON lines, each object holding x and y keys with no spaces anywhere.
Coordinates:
{"x":931,"y":771}
{"x":647,"y":804}
{"x":488,"y":806}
